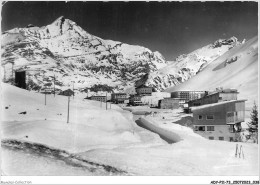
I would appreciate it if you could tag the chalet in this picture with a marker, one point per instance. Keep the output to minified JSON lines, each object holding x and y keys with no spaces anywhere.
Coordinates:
{"x":99,"y":98}
{"x":144,"y":90}
{"x":47,"y":90}
{"x":170,"y":103}
{"x":188,"y":95}
{"x":67,"y":92}
{"x":135,"y":100}
{"x":219,"y":121}
{"x":218,"y":96}
{"x":118,"y":97}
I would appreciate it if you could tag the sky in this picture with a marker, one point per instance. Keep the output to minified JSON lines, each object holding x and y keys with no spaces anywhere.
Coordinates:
{"x":172,"y":28}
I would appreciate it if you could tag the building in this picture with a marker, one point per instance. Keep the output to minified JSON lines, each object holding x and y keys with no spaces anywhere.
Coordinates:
{"x":219,"y":121}
{"x":218,"y":96}
{"x":99,"y":98}
{"x":170,"y":103}
{"x":67,"y":92}
{"x":47,"y":90}
{"x":144,"y":90}
{"x":188,"y":95}
{"x":135,"y":100}
{"x":118,"y":97}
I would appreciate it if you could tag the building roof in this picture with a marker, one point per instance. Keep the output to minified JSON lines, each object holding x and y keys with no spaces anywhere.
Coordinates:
{"x":223,"y":91}
{"x":67,"y":90}
{"x":142,"y":86}
{"x":216,"y":104}
{"x":188,"y":91}
{"x":173,"y":98}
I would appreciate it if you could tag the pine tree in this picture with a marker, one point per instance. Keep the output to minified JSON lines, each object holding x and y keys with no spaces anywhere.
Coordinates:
{"x":253,"y":124}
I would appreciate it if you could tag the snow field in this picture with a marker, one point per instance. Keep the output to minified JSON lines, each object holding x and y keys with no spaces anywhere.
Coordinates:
{"x":90,"y":126}
{"x":110,"y":137}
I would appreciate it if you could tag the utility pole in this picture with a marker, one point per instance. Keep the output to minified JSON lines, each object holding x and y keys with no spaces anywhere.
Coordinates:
{"x":12,"y":72}
{"x":54,"y":85}
{"x":68,"y":115}
{"x":45,"y":96}
{"x":73,"y":90}
{"x":106,"y":100}
{"x":4,"y":74}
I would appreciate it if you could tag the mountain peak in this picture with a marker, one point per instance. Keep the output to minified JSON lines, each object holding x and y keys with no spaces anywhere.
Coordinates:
{"x":59,"y":19}
{"x":61,"y":25}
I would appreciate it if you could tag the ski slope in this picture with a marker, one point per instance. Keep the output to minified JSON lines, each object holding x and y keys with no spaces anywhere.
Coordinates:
{"x":237,"y":68}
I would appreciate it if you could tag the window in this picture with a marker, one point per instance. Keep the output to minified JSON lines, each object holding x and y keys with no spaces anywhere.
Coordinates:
{"x":231,"y":139}
{"x":210,"y":117}
{"x":199,"y":128}
{"x":230,"y":117}
{"x":221,"y":138}
{"x":200,"y":117}
{"x":231,"y":128}
{"x":211,"y":138}
{"x":210,"y":128}
{"x":230,"y":114}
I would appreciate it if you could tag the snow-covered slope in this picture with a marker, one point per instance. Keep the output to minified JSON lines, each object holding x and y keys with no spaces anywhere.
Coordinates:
{"x":41,"y":142}
{"x":237,"y":68}
{"x":47,"y":124}
{"x":70,"y":53}
{"x":187,"y":65}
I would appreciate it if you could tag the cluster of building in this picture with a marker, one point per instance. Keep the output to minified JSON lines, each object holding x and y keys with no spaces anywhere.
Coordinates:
{"x":216,"y":115}
{"x":124,"y":98}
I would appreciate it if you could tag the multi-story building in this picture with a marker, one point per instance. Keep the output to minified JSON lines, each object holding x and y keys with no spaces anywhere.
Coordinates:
{"x":170,"y":103}
{"x":144,"y":90}
{"x":188,"y":95}
{"x":99,"y":98}
{"x":135,"y":100}
{"x":118,"y":97}
{"x":218,"y":96}
{"x":219,"y":121}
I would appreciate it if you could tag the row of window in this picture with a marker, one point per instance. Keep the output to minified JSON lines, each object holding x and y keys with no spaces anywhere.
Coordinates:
{"x":231,"y":128}
{"x":203,"y":128}
{"x":99,"y":99}
{"x":144,"y":91}
{"x":231,"y":116}
{"x":208,"y":117}
{"x":221,"y":138}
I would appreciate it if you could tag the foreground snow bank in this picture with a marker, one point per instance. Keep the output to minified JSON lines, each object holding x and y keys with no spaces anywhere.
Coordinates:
{"x":173,"y":137}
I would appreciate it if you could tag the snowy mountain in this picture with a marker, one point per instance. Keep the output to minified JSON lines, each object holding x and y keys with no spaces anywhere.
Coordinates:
{"x":187,"y":65}
{"x":237,"y":68}
{"x":64,"y":50}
